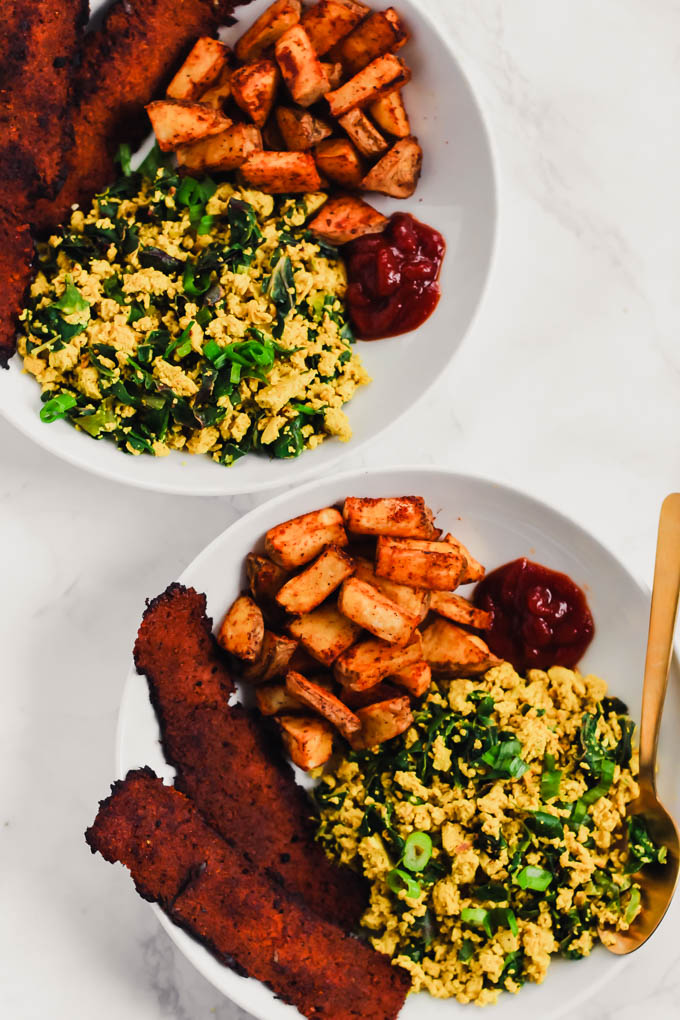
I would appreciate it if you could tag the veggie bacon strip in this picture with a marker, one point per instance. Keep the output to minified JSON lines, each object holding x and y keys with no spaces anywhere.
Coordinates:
{"x":227,"y":763}
{"x":239,"y":912}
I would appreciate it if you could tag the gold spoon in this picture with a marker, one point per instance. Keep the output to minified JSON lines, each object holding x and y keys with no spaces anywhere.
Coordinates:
{"x":657,"y":881}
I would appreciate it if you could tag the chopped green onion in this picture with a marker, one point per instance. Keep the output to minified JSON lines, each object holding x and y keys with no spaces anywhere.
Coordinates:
{"x":466,"y":950}
{"x":399,"y":880}
{"x":550,"y":778}
{"x":605,"y":781}
{"x":531,"y":877}
{"x":417,"y":851}
{"x":476,"y":917}
{"x":57,"y":407}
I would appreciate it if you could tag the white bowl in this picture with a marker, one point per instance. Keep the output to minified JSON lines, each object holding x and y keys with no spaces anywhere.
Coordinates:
{"x":498,"y":524}
{"x":456,"y":195}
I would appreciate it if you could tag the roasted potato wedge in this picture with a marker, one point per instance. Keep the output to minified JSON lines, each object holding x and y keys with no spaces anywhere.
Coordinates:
{"x":453,"y":652}
{"x":269,"y":27}
{"x":363,"y":133}
{"x":373,"y":611}
{"x":397,"y":173}
{"x":242,"y":630}
{"x":319,"y":699}
{"x":253,"y":87}
{"x":273,"y":699}
{"x":382,"y":721}
{"x":300,"y":130}
{"x":301,"y":68}
{"x":225,"y":151}
{"x":459,"y":610}
{"x":309,"y":741}
{"x":381,"y":32}
{"x":415,"y":679}
{"x":338,"y":160}
{"x":395,"y":516}
{"x":413,"y":602}
{"x":390,"y":114}
{"x":265,"y":578}
{"x":309,"y":589}
{"x":474,"y":571}
{"x":382,"y":76}
{"x":360,"y":699}
{"x":366,"y":664}
{"x":325,"y":633}
{"x":178,"y":123}
{"x":433,"y":565}
{"x":301,"y":539}
{"x":200,"y":70}
{"x":281,"y":172}
{"x":275,"y":655}
{"x":344,"y":218}
{"x":327,"y":22}
{"x":217,"y":95}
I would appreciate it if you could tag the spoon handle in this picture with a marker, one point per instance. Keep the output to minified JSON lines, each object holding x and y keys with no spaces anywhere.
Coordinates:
{"x":661,"y":626}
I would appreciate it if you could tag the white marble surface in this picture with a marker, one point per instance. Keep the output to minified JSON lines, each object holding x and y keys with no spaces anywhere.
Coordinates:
{"x":567,"y":386}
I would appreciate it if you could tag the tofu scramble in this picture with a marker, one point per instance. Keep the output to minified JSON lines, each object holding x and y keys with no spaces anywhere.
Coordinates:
{"x":492,"y":830}
{"x":182,"y":314}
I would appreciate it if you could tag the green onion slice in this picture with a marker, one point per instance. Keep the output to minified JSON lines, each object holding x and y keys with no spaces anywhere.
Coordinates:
{"x":57,"y":407}
{"x":399,"y":880}
{"x":477,"y":917}
{"x":532,"y":877}
{"x":417,"y":851}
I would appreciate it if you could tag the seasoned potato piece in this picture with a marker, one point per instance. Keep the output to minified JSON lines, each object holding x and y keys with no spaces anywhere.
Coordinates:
{"x":273,"y":659}
{"x":390,"y":114}
{"x":242,"y":630}
{"x":396,"y":516}
{"x":338,"y":160}
{"x":325,"y":633}
{"x":333,"y":73}
{"x":226,"y":151}
{"x":313,"y":586}
{"x":433,"y":565}
{"x":299,"y":129}
{"x":264,"y":32}
{"x":474,"y":571}
{"x":413,"y":602}
{"x":322,"y":701}
{"x":382,"y":76}
{"x":366,"y":664}
{"x":397,"y":173}
{"x":381,"y":722}
{"x":254,"y":89}
{"x":459,"y":610}
{"x":201,"y":68}
{"x":415,"y":679}
{"x":359,"y":699}
{"x":344,"y":218}
{"x":301,"y":539}
{"x":327,"y":22}
{"x":301,"y":68}
{"x":381,"y":32}
{"x":216,"y":96}
{"x":365,"y":135}
{"x":309,"y":742}
{"x":176,"y":123}
{"x":272,"y":699}
{"x":373,"y":611}
{"x":281,"y":172}
{"x":451,"y":651}
{"x":265,"y":577}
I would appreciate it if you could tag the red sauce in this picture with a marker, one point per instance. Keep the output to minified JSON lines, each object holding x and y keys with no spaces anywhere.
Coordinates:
{"x":540,"y":617}
{"x":393,"y":277}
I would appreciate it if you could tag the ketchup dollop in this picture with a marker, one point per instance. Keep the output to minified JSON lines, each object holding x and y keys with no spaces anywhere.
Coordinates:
{"x":540,"y":618}
{"x":393,"y":277}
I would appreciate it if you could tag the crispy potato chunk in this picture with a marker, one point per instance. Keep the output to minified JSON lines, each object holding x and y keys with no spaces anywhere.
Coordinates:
{"x":301,"y":539}
{"x":281,"y":172}
{"x":301,"y":68}
{"x":269,"y":27}
{"x":451,"y":651}
{"x":474,"y":571}
{"x":309,"y":589}
{"x":328,"y":21}
{"x":396,"y":516}
{"x":366,"y":664}
{"x":344,"y":218}
{"x":459,"y":610}
{"x":382,"y":76}
{"x":300,"y":130}
{"x":254,"y":89}
{"x":315,"y":696}
{"x":273,"y":659}
{"x":413,"y":602}
{"x":370,"y":609}
{"x":381,"y":32}
{"x":433,"y":565}
{"x":415,"y":679}
{"x":381,"y":722}
{"x":242,"y":630}
{"x":309,"y":742}
{"x":363,"y":133}
{"x":273,"y":699}
{"x":200,"y":70}
{"x":225,"y":151}
{"x":397,"y":173}
{"x":265,"y":577}
{"x":338,"y":160}
{"x":360,"y":699}
{"x":390,"y":114}
{"x":177,"y":123}
{"x":325,"y":633}
{"x":333,"y":73}
{"x":217,"y":95}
